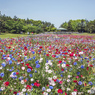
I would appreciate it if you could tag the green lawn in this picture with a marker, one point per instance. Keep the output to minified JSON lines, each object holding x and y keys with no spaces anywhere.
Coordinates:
{"x":4,"y":35}
{"x":84,"y":34}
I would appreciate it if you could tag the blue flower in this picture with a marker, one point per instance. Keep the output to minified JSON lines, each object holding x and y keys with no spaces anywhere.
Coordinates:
{"x":32,"y":84}
{"x":38,"y":65}
{"x":10,"y":70}
{"x":51,"y":87}
{"x":34,"y":57}
{"x":29,"y":59}
{"x":30,"y":75}
{"x":10,"y":61}
{"x":4,"y":58}
{"x":14,"y":73}
{"x":80,"y":83}
{"x":37,"y":62}
{"x":90,"y":83}
{"x":61,"y":75}
{"x":43,"y":88}
{"x":64,"y":62}
{"x":82,"y":66}
{"x":75,"y":63}
{"x":57,"y":80}
{"x":28,"y":70}
{"x":78,"y":73}
{"x":2,"y":74}
{"x":35,"y":71}
{"x":27,"y":79}
{"x":33,"y":52}
{"x":3,"y":64}
{"x":3,"y":55}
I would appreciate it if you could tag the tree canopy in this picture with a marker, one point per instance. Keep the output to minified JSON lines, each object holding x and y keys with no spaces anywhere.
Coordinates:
{"x":17,"y":25}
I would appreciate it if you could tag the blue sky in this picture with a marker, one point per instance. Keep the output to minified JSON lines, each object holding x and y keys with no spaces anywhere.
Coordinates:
{"x":54,"y":11}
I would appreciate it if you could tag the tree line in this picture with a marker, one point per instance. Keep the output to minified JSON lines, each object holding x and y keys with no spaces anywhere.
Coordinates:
{"x":79,"y":25}
{"x":17,"y":25}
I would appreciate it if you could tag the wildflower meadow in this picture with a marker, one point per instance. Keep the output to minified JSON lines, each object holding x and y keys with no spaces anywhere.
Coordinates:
{"x":47,"y":64}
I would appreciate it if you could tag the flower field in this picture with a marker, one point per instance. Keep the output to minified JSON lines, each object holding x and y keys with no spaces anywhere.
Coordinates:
{"x":47,"y":64}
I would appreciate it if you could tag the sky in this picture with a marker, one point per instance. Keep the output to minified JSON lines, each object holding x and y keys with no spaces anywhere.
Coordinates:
{"x":54,"y":11}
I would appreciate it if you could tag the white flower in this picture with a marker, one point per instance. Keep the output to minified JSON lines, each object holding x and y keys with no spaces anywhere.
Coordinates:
{"x":68,"y":89}
{"x":49,"y":78}
{"x":49,"y":71}
{"x":1,"y":67}
{"x":32,"y":79}
{"x":41,"y":59}
{"x":74,"y":93}
{"x":81,"y":52}
{"x":48,"y":90}
{"x":49,"y":62}
{"x":8,"y":58}
{"x":23,"y":68}
{"x":52,"y":83}
{"x":29,"y":90}
{"x":23,"y":90}
{"x":2,"y":88}
{"x":47,"y":67}
{"x":69,"y":76}
{"x":89,"y":91}
{"x":46,"y":70}
{"x":63,"y":65}
{"x":45,"y":93}
{"x":68,"y":80}
{"x":22,"y":81}
{"x":54,"y":77}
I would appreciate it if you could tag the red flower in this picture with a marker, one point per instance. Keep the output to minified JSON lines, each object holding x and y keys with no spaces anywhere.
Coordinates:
{"x":60,"y":62}
{"x":30,"y":68}
{"x":62,"y":69}
{"x":27,"y":64}
{"x":67,"y":65}
{"x":36,"y":84}
{"x":87,"y":68}
{"x":47,"y":54}
{"x":54,"y":80}
{"x":17,"y":73}
{"x":6,"y":83}
{"x":40,"y":47}
{"x":60,"y":82}
{"x":65,"y":93}
{"x":75,"y":90}
{"x":75,"y":81}
{"x":1,"y":78}
{"x":53,"y":56}
{"x":28,"y":87}
{"x":25,"y":48}
{"x":91,"y":65}
{"x":59,"y":91}
{"x":15,"y":92}
{"x":81,"y":75}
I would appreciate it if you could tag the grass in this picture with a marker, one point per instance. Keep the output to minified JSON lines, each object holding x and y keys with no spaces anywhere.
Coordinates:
{"x":85,"y":34}
{"x":5,"y":35}
{"x":9,"y":35}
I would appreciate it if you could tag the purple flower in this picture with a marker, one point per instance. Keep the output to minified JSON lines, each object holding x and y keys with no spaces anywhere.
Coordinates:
{"x":80,"y":83}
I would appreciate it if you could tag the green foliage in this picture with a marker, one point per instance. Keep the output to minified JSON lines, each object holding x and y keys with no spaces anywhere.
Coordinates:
{"x":17,"y":25}
{"x":80,"y":25}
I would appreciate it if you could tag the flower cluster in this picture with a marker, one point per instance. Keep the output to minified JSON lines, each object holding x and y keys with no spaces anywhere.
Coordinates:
{"x":47,"y":64}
